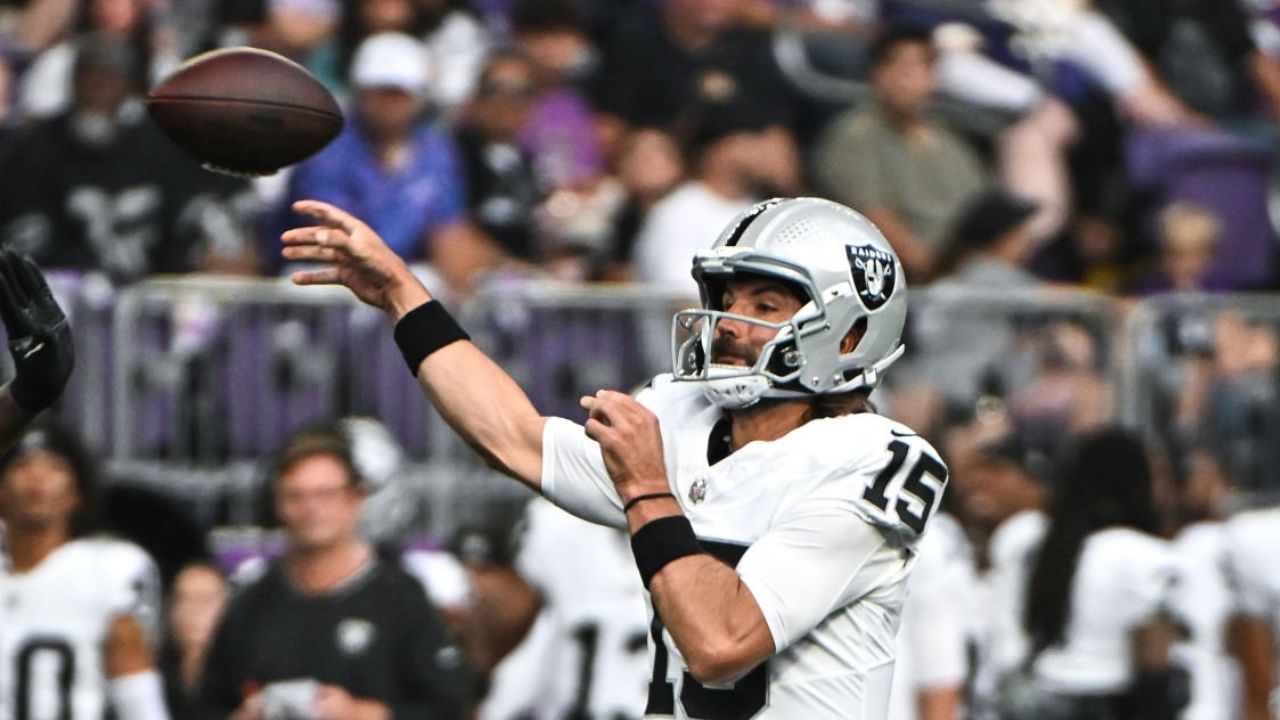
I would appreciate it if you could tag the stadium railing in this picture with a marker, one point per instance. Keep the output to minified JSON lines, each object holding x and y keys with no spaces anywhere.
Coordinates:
{"x":196,"y":382}
{"x":1203,"y":372}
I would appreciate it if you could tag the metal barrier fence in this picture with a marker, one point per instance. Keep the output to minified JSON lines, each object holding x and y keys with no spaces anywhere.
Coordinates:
{"x":1048,"y":356}
{"x":1203,"y":371}
{"x":175,"y":374}
{"x":205,"y":371}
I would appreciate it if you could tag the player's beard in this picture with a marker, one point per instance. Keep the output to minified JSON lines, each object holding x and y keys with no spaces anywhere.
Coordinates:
{"x":724,"y":347}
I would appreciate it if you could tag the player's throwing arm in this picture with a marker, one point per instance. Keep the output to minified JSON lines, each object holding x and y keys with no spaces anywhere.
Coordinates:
{"x":476,"y":397}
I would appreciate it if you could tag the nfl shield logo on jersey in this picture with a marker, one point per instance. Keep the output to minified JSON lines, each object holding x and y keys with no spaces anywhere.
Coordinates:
{"x":698,"y":491}
{"x":873,"y":274}
{"x":354,"y":636}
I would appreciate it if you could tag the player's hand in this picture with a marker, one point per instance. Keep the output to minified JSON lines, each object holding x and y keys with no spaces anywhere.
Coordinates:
{"x":631,"y":441}
{"x":356,"y":258}
{"x":335,"y":703}
{"x":39,"y":337}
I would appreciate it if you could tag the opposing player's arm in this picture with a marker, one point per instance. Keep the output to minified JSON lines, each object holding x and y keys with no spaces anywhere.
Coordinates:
{"x":39,"y":341}
{"x":479,"y":400}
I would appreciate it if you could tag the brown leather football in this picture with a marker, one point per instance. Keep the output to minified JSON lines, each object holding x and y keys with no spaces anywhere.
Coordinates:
{"x":245,"y":111}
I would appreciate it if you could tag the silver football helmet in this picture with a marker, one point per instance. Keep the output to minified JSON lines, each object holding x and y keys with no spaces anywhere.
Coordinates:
{"x":851,"y":277}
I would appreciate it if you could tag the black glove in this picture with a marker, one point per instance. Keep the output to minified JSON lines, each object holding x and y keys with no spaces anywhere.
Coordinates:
{"x":39,"y":338}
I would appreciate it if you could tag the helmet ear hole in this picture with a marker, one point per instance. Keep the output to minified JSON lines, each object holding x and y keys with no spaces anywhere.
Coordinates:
{"x":850,"y":341}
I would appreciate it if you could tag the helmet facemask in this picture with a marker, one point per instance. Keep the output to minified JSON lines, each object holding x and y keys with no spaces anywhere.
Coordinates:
{"x":791,"y":364}
{"x":847,"y":279}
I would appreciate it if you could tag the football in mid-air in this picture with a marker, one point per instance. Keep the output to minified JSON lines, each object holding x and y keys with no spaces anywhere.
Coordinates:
{"x":245,"y":111}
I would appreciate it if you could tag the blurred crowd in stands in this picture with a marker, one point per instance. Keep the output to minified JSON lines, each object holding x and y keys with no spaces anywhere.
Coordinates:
{"x":1132,"y":140}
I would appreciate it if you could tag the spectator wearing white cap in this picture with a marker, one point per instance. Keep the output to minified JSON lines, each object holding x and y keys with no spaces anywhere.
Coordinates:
{"x":395,"y":167}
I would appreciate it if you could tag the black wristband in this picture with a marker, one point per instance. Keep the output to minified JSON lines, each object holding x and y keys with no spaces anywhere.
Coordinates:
{"x":640,"y":498}
{"x":663,"y":541}
{"x":424,"y":330}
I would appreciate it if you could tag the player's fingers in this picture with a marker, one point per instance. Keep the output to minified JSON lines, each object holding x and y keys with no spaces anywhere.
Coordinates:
{"x":317,"y":254}
{"x":301,"y":236}
{"x":622,"y":408}
{"x":619,"y":399}
{"x":330,"y":215}
{"x":327,"y":276}
{"x":601,"y":414}
{"x":598,"y":431}
{"x":322,"y":236}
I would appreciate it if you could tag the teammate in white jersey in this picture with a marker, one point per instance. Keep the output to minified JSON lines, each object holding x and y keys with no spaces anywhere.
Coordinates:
{"x":774,"y":517}
{"x":933,"y":645}
{"x":1253,"y":567}
{"x":585,"y":658}
{"x":78,"y":612}
{"x":1098,"y":595}
{"x":1204,"y":599}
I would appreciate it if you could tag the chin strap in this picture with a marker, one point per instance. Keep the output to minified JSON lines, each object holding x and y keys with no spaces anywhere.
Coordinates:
{"x":734,"y":392}
{"x":871,"y":376}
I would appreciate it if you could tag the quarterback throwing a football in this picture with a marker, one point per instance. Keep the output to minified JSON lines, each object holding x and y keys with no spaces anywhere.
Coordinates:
{"x":773,"y":515}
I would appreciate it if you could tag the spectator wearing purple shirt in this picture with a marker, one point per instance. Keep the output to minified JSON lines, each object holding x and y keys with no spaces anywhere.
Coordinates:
{"x":388,"y":165}
{"x":560,"y":133}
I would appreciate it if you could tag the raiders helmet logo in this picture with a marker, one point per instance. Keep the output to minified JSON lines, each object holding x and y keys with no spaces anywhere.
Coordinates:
{"x":873,"y":274}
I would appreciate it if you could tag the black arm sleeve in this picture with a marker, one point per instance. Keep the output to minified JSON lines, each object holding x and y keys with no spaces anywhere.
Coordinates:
{"x":430,"y":664}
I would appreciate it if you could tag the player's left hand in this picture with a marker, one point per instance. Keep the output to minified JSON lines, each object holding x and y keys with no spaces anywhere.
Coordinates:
{"x":631,"y":441}
{"x":335,"y":703}
{"x":39,"y":337}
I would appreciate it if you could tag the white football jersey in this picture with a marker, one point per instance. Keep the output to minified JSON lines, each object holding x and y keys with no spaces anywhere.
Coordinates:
{"x":1203,"y":603}
{"x":54,"y":619}
{"x":1253,"y":564}
{"x":1002,"y":643}
{"x":443,"y":577}
{"x":933,"y":643}
{"x":517,"y":679}
{"x":1011,"y":554}
{"x":821,"y":526}
{"x":594,"y":660}
{"x":1123,"y":579}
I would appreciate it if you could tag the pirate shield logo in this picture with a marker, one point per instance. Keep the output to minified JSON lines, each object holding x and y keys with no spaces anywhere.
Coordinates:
{"x":873,"y":274}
